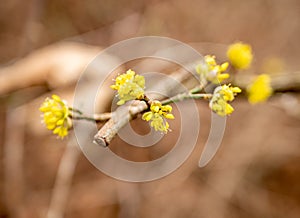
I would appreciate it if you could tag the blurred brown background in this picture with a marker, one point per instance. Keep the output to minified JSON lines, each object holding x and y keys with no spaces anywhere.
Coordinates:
{"x":44,"y":45}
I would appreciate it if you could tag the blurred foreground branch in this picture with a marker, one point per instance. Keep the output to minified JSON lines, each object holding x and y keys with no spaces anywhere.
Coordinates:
{"x":13,"y":161}
{"x":55,"y":66}
{"x":63,"y":180}
{"x":279,"y":82}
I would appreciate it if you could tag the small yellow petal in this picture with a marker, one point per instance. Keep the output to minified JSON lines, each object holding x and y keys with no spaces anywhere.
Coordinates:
{"x":60,"y":122}
{"x":147,"y":116}
{"x":170,"y":116}
{"x":229,"y":109}
{"x":114,"y":87}
{"x":51,"y":126}
{"x":167,"y":108}
{"x":223,"y":76}
{"x":56,"y":130}
{"x":236,"y":89}
{"x":56,"y":98}
{"x":224,"y":66}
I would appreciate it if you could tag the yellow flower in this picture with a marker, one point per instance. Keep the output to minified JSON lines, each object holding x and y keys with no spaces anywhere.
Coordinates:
{"x":211,"y":71}
{"x":240,"y":55}
{"x":129,"y":86}
{"x":56,"y":115}
{"x":260,"y":90}
{"x":222,"y":95}
{"x":157,"y":114}
{"x":228,"y":92}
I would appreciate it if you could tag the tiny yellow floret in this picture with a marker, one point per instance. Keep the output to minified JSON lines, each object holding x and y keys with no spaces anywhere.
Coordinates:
{"x":240,"y":55}
{"x":157,"y":114}
{"x":260,"y":90}
{"x":209,"y":70}
{"x":221,"y":96}
{"x":56,"y":115}
{"x":130,"y":86}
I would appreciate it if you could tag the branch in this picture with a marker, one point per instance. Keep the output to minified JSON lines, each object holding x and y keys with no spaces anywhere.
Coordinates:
{"x":279,"y":82}
{"x":125,"y":113}
{"x":120,"y":118}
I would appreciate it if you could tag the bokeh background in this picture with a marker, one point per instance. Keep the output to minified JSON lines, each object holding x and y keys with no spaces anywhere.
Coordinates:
{"x":45,"y":45}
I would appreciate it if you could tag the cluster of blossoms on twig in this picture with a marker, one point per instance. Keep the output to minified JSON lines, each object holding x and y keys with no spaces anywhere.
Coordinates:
{"x":209,"y":70}
{"x":222,"y":95}
{"x":260,"y":90}
{"x":56,"y":115}
{"x":157,"y":114}
{"x":131,"y":86}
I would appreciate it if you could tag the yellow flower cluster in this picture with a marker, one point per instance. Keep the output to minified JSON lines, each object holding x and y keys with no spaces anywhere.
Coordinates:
{"x":260,"y":90}
{"x":211,"y":71}
{"x":157,"y":114}
{"x":240,"y":55}
{"x":129,"y":86}
{"x":56,"y":115}
{"x":221,"y":96}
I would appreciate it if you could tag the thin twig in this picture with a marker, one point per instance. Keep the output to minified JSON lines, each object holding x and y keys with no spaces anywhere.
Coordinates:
{"x":185,"y":96}
{"x":75,"y":110}
{"x":96,"y":117}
